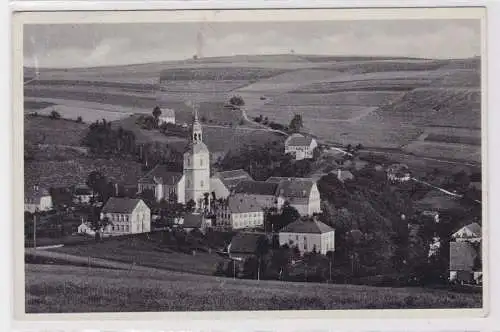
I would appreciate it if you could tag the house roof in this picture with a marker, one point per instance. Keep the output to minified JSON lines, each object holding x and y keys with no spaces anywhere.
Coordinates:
{"x":473,"y":230}
{"x":167,"y":112}
{"x":298,"y":140}
{"x":193,"y":220}
{"x":293,"y":188}
{"x":233,"y":177}
{"x":161,"y":174}
{"x":463,"y":256}
{"x":243,"y":204}
{"x":34,"y":194}
{"x":307,"y":226}
{"x":120,"y":205}
{"x":256,"y":188}
{"x":398,"y":169}
{"x":246,"y":243}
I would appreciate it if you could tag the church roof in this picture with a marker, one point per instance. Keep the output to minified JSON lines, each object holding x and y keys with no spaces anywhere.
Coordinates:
{"x":307,"y":226}
{"x":161,"y":174}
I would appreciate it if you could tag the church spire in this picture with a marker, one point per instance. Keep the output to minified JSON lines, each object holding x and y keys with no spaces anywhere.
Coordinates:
{"x":197,"y":132}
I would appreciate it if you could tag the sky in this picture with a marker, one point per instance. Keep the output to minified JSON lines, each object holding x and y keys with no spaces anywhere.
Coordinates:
{"x":84,"y":45}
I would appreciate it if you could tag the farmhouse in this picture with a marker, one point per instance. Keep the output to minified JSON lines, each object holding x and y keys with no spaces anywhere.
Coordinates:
{"x":240,"y":212}
{"x":300,"y":146}
{"x":127,"y":216}
{"x":222,"y":183}
{"x":308,"y":236}
{"x":301,"y":193}
{"x":167,"y":116}
{"x":192,"y":221}
{"x":37,"y":199}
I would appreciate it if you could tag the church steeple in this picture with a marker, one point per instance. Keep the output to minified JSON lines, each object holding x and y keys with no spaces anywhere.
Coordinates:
{"x":197,"y":132}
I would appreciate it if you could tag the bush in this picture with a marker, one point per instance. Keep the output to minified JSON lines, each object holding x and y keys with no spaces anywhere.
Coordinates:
{"x":55,"y":115}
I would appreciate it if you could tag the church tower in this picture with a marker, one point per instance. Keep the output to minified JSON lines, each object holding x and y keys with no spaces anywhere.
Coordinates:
{"x":197,"y":167}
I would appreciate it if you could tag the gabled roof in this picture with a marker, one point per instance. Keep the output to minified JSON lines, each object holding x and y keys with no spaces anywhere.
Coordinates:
{"x":243,"y":204}
{"x":193,"y":220}
{"x":120,"y":205}
{"x":307,"y":226}
{"x":246,"y":243}
{"x":472,"y":230}
{"x":463,"y":256}
{"x":256,"y":188}
{"x":233,"y":177}
{"x":161,"y":174}
{"x":34,"y":194}
{"x":298,"y":140}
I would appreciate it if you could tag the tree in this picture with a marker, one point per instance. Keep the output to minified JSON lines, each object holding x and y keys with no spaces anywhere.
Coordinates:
{"x":79,"y":119}
{"x":190,"y":205}
{"x":55,"y":115}
{"x":156,"y":113}
{"x":99,"y":184}
{"x":97,"y":224}
{"x":236,"y":101}
{"x":296,"y":123}
{"x":288,"y":215}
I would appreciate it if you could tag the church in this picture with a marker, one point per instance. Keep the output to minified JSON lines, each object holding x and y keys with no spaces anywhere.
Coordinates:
{"x":193,"y":183}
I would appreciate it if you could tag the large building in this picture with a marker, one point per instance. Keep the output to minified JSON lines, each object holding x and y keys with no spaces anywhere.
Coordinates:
{"x":240,"y":212}
{"x":37,"y":199}
{"x":126,"y":216}
{"x":300,"y":146}
{"x":301,"y":193}
{"x":222,"y":183}
{"x":193,"y":183}
{"x":308,"y":236}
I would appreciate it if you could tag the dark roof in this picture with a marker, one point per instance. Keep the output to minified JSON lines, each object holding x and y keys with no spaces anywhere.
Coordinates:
{"x":233,"y":177}
{"x":256,"y":188}
{"x":120,"y":205}
{"x":193,"y":220}
{"x":34,"y":194}
{"x":246,"y":243}
{"x":295,"y":187}
{"x":161,"y":174}
{"x":298,"y":140}
{"x":306,"y":226}
{"x":243,"y":205}
{"x":82,"y":190}
{"x":463,"y":256}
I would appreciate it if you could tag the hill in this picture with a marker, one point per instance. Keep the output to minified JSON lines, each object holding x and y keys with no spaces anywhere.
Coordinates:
{"x":52,"y":289}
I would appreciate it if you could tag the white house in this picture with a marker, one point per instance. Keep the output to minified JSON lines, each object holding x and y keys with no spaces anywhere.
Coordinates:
{"x":301,"y":193}
{"x":308,"y":235}
{"x":222,"y":183}
{"x":167,"y":116}
{"x":398,"y":173}
{"x":127,"y":216}
{"x":300,"y":146}
{"x":240,"y":212}
{"x":37,"y":199}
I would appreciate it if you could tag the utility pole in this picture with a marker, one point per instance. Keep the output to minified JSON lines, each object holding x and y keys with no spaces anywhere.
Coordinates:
{"x":258,"y":270}
{"x":234,"y":269}
{"x":330,"y":262}
{"x":34,"y":230}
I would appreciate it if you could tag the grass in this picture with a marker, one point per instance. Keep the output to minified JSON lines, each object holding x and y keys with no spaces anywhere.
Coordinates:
{"x":218,"y":74}
{"x":57,"y":289}
{"x":467,"y":140}
{"x":42,"y":130}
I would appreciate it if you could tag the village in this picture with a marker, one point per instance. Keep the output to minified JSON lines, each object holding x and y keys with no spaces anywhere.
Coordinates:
{"x":303,"y":224}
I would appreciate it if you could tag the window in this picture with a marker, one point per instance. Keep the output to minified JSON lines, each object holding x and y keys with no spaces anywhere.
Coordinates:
{"x":201,"y":161}
{"x":296,"y":237}
{"x":305,"y":243}
{"x":126,"y":228}
{"x":201,"y":183}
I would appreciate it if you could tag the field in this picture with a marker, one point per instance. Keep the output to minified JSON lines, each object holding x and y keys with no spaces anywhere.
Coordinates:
{"x":52,"y":289}
{"x":42,"y":130}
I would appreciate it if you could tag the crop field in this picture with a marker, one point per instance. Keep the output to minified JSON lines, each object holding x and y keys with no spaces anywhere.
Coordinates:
{"x":71,"y":172}
{"x":205,"y":86}
{"x":34,"y":105}
{"x":315,"y":113}
{"x":221,"y":73}
{"x":42,"y":130}
{"x":466,"y":78}
{"x":445,"y":150}
{"x":52,"y":289}
{"x":467,"y":140}
{"x":354,"y":98}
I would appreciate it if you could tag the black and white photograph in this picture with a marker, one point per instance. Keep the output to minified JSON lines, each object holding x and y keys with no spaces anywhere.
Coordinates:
{"x":253,"y":165}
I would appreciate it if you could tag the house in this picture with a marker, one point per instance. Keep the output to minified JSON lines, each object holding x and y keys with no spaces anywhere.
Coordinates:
{"x":240,"y":212}
{"x":465,"y":262}
{"x":246,"y":245}
{"x":344,"y":175}
{"x":264,"y":193}
{"x":469,"y":233}
{"x":37,"y":199}
{"x":308,"y":235}
{"x":398,"y":173}
{"x":301,"y":193}
{"x":165,"y":183}
{"x":300,"y":146}
{"x":192,"y":221}
{"x":126,"y":215}
{"x":85,"y":228}
{"x":167,"y":116}
{"x":82,"y":194}
{"x":222,"y":183}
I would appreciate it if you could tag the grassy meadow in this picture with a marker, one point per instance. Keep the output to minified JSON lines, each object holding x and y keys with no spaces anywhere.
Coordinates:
{"x":53,"y":289}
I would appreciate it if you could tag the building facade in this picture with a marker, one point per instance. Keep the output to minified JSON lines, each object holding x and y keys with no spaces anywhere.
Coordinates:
{"x":300,"y":146}
{"x":126,"y":216}
{"x":239,"y":213}
{"x":166,"y":184}
{"x":167,"y":116}
{"x":37,"y":200}
{"x":308,"y":236}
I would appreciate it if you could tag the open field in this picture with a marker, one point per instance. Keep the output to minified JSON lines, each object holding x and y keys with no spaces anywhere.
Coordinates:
{"x":442,"y":150}
{"x":43,"y":130}
{"x":78,"y":289}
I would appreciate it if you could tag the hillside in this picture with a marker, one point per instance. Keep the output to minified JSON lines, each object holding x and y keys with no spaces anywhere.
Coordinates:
{"x":52,"y":289}
{"x":400,"y":103}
